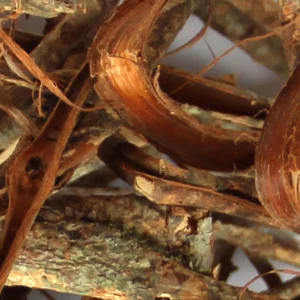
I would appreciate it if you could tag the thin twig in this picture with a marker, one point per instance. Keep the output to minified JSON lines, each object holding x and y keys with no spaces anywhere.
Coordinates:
{"x":47,"y":294}
{"x":236,"y":45}
{"x":291,"y":272}
{"x":37,"y":72}
{"x":197,"y":37}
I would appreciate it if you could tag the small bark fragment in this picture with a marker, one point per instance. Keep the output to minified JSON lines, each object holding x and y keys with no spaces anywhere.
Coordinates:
{"x":168,"y":192}
{"x":289,"y":12}
{"x":266,"y":244}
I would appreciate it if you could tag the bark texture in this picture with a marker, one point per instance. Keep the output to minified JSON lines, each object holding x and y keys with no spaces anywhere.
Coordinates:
{"x":239,"y":25}
{"x":90,"y":247}
{"x":46,"y":9}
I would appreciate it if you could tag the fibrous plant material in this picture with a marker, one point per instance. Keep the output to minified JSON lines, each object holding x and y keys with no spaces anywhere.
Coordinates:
{"x":185,"y":191}
{"x":141,"y":103}
{"x":239,"y":25}
{"x":184,"y":144}
{"x":51,"y":54}
{"x":47,"y":9}
{"x":121,"y":262}
{"x":278,"y":157}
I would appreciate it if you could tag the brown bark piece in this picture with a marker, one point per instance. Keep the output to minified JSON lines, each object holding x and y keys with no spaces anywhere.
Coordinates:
{"x":278,"y":157}
{"x":141,"y":103}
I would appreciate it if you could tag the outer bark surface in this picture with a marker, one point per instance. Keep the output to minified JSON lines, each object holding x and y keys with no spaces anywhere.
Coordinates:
{"x":65,"y":253}
{"x":278,"y":157}
{"x":46,"y":9}
{"x":143,"y":106}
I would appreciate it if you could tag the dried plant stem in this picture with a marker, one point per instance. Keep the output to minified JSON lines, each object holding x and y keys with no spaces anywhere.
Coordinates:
{"x":38,"y":73}
{"x":196,"y":38}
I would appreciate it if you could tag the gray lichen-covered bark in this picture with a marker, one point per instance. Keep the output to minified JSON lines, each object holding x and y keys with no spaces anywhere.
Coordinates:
{"x":46,"y":9}
{"x":51,"y":54}
{"x":91,"y":248}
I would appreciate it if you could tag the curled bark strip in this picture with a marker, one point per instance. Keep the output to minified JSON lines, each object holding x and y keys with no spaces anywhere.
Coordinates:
{"x":118,"y":61}
{"x":278,"y":157}
{"x":32,"y":176}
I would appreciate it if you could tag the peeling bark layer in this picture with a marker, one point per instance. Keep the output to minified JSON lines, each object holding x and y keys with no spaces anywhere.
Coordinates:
{"x":124,"y":80}
{"x":278,"y":157}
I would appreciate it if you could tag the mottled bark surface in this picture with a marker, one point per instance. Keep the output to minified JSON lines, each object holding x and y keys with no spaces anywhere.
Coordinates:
{"x":87,"y":246}
{"x":177,"y":237}
{"x":46,"y":9}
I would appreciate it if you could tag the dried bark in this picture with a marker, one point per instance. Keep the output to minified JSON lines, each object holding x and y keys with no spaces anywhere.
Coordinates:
{"x":51,"y":54}
{"x":177,"y":240}
{"x":238,"y":25}
{"x":116,"y":151}
{"x":47,"y":10}
{"x":262,"y":244}
{"x":137,"y":98}
{"x":288,"y":12}
{"x":277,"y":158}
{"x":169,"y":192}
{"x":265,"y":12}
{"x":55,"y":48}
{"x":73,"y":247}
{"x":215,"y":95}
